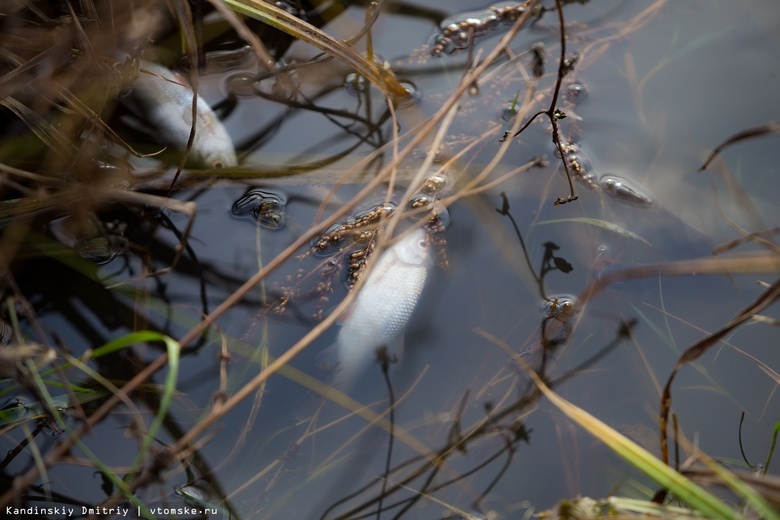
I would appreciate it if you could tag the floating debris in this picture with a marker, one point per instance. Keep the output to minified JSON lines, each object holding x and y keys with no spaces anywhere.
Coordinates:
{"x":623,"y":191}
{"x":458,"y":32}
{"x":268,"y":208}
{"x":361,"y":228}
{"x":332,"y":240}
{"x":559,"y":312}
{"x":579,"y":165}
{"x":420,"y":201}
{"x":562,"y":307}
{"x":373,"y":215}
{"x":436,"y":184}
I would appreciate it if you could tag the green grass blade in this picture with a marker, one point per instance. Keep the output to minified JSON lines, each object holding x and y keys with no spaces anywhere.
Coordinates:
{"x":771,"y":448}
{"x":104,"y":469}
{"x":169,"y":390}
{"x":691,"y":493}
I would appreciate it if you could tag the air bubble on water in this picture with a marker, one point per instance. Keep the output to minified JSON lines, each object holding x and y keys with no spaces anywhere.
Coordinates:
{"x":420,"y":202}
{"x":331,"y":240}
{"x":440,"y":216}
{"x":241,"y":84}
{"x":413,"y":96}
{"x":442,"y":153}
{"x":438,"y":183}
{"x":355,"y":84}
{"x":562,"y":307}
{"x":577,"y":91}
{"x":509,"y":111}
{"x":270,"y":220}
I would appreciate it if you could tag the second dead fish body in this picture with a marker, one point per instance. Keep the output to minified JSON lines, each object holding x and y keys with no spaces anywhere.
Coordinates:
{"x":382,"y":309}
{"x":166,"y":103}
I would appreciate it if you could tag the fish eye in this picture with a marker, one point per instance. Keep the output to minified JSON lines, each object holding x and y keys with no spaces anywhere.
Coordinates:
{"x":218,"y":164}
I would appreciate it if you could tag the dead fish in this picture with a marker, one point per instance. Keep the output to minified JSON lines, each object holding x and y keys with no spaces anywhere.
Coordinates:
{"x":382,"y":309}
{"x":162,"y":100}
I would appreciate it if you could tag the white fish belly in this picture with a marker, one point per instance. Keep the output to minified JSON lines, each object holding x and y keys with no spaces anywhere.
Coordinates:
{"x":168,"y":106}
{"x":380,"y":312}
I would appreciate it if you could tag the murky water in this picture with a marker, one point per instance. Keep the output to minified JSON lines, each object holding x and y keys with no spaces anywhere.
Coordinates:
{"x":665,"y":84}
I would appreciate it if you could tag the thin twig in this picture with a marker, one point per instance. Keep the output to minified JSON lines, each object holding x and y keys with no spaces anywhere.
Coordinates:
{"x":553,"y":113}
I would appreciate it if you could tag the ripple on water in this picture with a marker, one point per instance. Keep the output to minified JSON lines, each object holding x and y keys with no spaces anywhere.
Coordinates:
{"x":269,"y":209}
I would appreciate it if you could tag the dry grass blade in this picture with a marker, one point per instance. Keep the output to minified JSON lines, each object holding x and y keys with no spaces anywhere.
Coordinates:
{"x":759,"y":262}
{"x":772,"y":127}
{"x":767,"y":485}
{"x":237,"y":23}
{"x":604,"y":224}
{"x":44,"y":130}
{"x":769,"y":297}
{"x":284,"y":21}
{"x":183,"y":13}
{"x":760,"y":237}
{"x":87,"y":113}
{"x":18,"y":79}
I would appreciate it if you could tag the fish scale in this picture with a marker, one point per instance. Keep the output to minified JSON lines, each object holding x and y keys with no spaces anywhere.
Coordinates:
{"x":384,"y":305}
